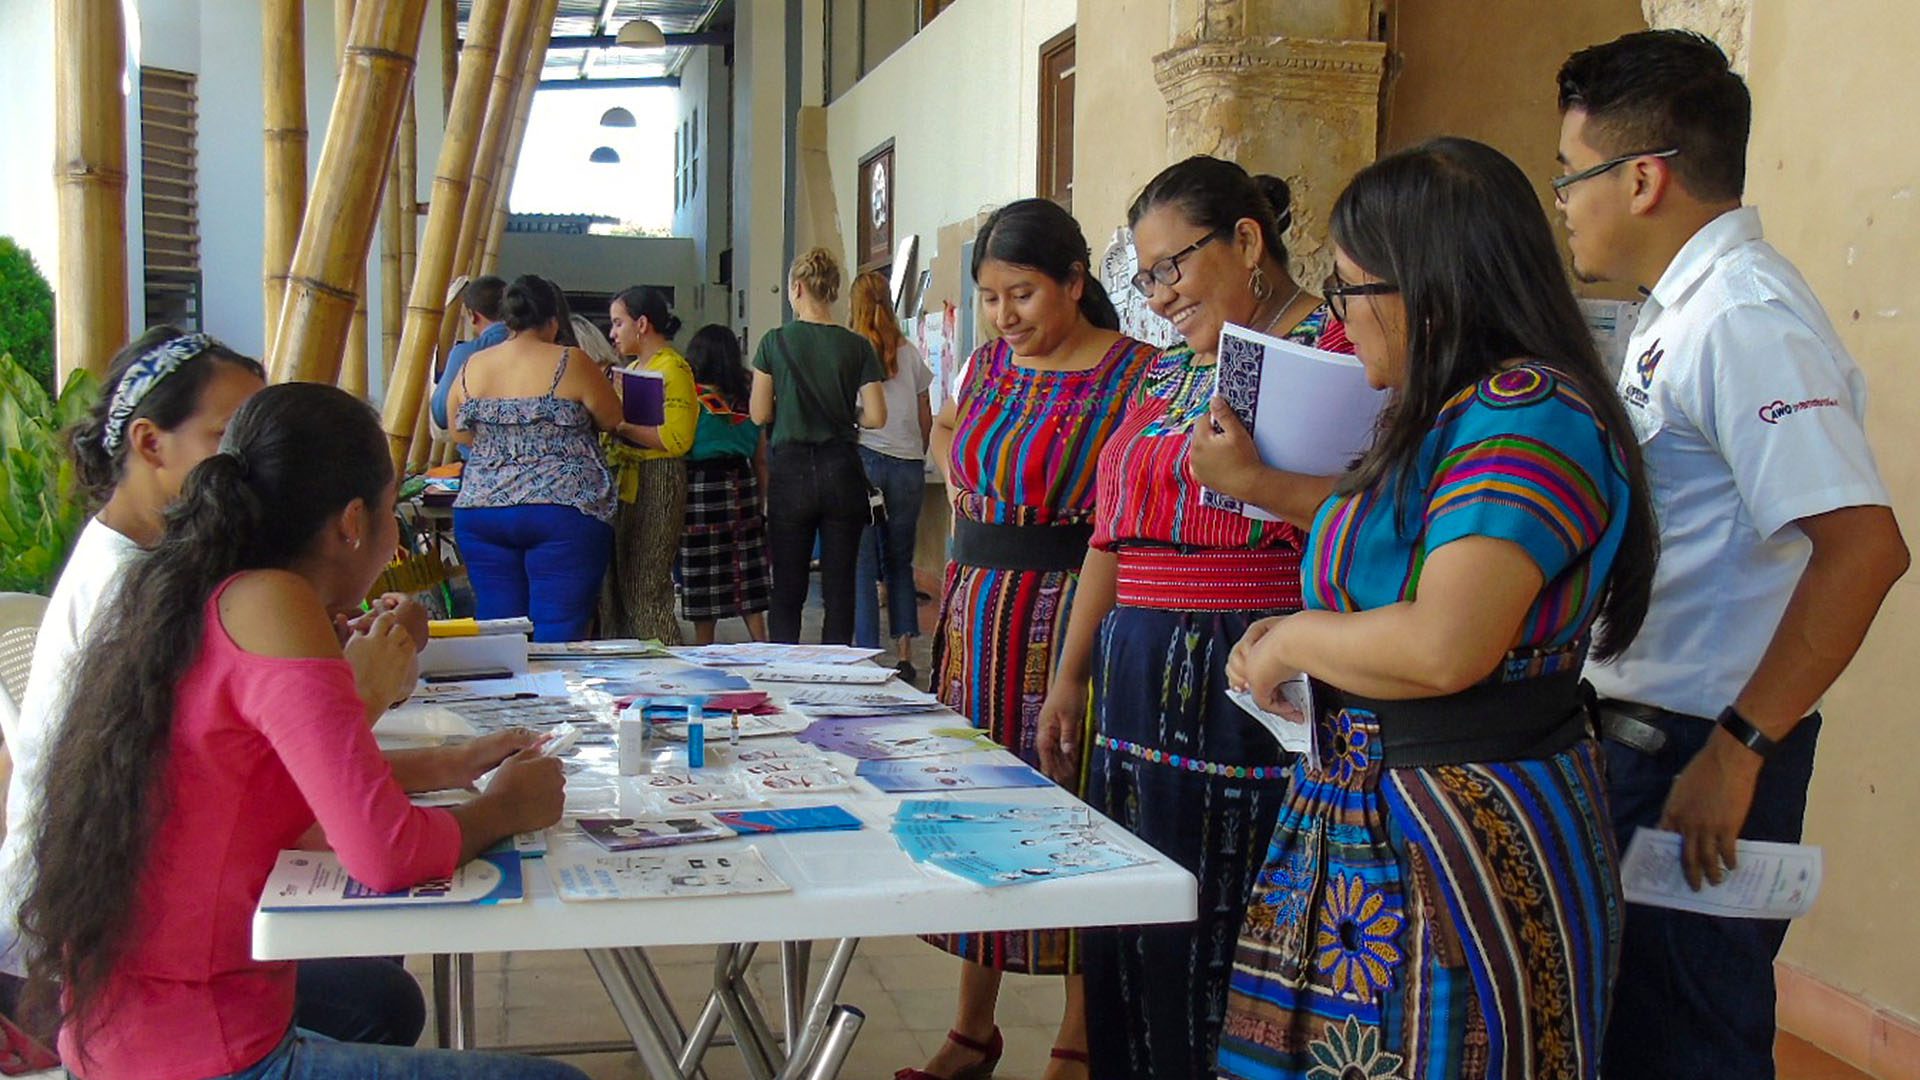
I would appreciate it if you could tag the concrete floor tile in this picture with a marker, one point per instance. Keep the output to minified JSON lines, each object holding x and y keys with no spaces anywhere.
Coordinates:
{"x":933,"y":970}
{"x":578,"y":1021}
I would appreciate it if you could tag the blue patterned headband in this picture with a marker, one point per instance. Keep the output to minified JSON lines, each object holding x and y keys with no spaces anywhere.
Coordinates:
{"x":142,"y":376}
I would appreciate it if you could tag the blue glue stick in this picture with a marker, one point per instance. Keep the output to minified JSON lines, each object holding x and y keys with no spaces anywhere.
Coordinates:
{"x":696,"y":737}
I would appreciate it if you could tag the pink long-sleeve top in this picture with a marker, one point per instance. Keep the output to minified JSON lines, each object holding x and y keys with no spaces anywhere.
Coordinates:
{"x":261,"y":748}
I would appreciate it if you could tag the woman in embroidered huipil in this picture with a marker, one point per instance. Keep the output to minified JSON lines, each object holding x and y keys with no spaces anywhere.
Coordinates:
{"x":1440,"y":897}
{"x":1167,"y":590}
{"x":1019,"y":442}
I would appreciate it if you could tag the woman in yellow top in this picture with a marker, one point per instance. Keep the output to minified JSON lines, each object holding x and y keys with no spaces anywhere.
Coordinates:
{"x":651,"y":475}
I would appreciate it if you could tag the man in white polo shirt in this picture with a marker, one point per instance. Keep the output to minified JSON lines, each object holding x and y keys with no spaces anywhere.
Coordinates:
{"x":1777,"y":543}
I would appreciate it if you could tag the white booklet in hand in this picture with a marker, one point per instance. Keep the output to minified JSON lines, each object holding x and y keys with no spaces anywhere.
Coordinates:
{"x":1310,"y":411}
{"x":1773,"y":881}
{"x":1293,"y":728}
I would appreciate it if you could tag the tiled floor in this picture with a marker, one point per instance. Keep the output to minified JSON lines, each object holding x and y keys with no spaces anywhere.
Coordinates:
{"x":905,"y":987}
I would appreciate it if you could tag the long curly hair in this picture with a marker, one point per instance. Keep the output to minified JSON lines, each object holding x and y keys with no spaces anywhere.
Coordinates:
{"x":293,"y":458}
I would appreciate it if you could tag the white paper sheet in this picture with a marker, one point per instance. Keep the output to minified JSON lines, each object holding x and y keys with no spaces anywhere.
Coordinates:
{"x":461,"y":655}
{"x":1295,"y":732}
{"x":1773,"y":881}
{"x":1310,"y":411}
{"x":827,"y":674}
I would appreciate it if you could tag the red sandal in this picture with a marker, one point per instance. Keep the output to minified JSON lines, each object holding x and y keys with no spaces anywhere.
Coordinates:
{"x":981,"y":1070}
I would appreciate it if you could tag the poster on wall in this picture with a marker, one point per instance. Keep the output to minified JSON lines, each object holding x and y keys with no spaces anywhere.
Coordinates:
{"x":1117,"y":268}
{"x":876,"y":206}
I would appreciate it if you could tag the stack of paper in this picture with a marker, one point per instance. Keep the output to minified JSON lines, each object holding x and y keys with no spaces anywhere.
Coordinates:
{"x":665,"y":874}
{"x":824,"y":674}
{"x":880,"y":739}
{"x":892,"y":776}
{"x":753,"y":653}
{"x":854,"y":701}
{"x":995,"y":844}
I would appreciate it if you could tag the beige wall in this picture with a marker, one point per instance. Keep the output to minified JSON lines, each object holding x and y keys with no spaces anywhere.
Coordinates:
{"x":1837,"y":181}
{"x":960,"y":102}
{"x":1120,"y":130}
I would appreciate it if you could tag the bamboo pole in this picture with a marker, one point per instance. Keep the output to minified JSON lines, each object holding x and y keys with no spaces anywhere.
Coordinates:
{"x":338,"y":228}
{"x":477,"y":214}
{"x":426,"y":300}
{"x":420,"y":453}
{"x":516,"y":135}
{"x":353,"y":363}
{"x":392,"y":214}
{"x":284,"y":83}
{"x":90,"y":177}
{"x":409,"y":176}
{"x":450,"y":52}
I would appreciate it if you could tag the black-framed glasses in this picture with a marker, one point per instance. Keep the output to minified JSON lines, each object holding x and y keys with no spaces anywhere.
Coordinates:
{"x":1336,"y":292}
{"x":1562,"y":183}
{"x":1167,"y":270}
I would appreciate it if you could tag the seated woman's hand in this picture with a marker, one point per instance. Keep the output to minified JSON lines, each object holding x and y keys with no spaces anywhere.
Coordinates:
{"x":531,"y":789}
{"x":1222,"y":452}
{"x":478,"y":756}
{"x":385,"y":663}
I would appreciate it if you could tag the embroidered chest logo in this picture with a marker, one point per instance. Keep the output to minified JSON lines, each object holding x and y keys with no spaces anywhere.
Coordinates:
{"x":1648,"y":361}
{"x":1776,"y":411}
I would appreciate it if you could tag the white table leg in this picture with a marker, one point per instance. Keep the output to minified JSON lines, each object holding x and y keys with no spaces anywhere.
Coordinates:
{"x":648,"y":1039}
{"x":453,"y":1013}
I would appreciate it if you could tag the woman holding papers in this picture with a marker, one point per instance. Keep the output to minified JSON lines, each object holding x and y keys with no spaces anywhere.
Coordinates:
{"x":1440,"y":897}
{"x":535,"y":503}
{"x":1169,"y":586}
{"x":1019,"y":443}
{"x":214,"y":720}
{"x":650,"y":471}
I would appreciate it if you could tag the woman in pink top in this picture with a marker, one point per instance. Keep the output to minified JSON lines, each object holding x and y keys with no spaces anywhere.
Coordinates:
{"x":214,"y":719}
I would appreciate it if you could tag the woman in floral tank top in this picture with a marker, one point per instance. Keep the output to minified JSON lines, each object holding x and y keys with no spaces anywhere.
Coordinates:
{"x":1170,"y":585}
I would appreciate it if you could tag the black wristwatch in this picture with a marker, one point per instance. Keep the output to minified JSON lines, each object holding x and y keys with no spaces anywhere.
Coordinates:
{"x":1745,"y":733}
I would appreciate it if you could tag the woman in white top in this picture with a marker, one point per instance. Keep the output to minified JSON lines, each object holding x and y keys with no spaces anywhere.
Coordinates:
{"x":164,"y":407}
{"x":895,"y":456}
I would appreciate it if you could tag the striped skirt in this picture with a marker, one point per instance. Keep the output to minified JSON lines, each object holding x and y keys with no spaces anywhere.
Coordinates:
{"x":1455,"y":921}
{"x":637,"y":601}
{"x":994,"y":652}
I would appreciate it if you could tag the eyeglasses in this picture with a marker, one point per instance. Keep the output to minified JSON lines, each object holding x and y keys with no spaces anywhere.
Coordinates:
{"x":1562,"y":183}
{"x":1167,"y":270}
{"x":1337,"y":291}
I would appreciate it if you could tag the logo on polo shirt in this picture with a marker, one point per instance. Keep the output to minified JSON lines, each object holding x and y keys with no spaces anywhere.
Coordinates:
{"x":1648,"y":361}
{"x":1777,"y":411}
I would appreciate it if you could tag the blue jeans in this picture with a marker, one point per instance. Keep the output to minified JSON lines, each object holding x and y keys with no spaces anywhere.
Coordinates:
{"x":361,"y":1000}
{"x":541,"y":562}
{"x":306,"y":1056}
{"x":1695,"y":993}
{"x":886,"y":551}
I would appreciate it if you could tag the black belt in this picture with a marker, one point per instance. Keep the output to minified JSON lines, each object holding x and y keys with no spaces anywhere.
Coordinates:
{"x":1514,"y":721}
{"x":1633,"y":726}
{"x":1020,"y":547}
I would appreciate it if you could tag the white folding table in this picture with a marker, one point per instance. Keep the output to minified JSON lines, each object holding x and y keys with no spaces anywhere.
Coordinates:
{"x":845,"y":886}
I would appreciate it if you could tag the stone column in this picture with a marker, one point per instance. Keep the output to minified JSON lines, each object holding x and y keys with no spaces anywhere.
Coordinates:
{"x":1728,"y":22}
{"x":1288,"y":87}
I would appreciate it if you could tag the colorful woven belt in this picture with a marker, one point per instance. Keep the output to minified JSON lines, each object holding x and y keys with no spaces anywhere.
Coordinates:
{"x":1191,"y":764}
{"x":1207,"y":580}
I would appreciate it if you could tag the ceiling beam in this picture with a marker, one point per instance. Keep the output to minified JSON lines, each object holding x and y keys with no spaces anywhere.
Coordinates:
{"x":608,"y":41}
{"x":609,"y":84}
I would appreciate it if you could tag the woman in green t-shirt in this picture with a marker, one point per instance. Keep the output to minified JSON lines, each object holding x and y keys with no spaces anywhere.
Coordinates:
{"x":815,"y":384}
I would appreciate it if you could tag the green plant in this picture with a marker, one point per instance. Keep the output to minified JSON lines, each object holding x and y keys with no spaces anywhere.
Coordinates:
{"x":41,"y":505}
{"x":26,"y":313}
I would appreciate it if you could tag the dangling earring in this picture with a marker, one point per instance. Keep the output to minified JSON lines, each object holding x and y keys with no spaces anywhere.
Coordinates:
{"x":1262,"y":291}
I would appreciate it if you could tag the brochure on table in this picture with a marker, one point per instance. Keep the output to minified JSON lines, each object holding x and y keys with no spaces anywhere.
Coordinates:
{"x":580,"y":875}
{"x":1310,"y":411}
{"x":306,"y":880}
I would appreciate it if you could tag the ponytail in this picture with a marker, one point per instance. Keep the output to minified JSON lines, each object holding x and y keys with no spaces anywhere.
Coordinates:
{"x":294,"y":457}
{"x":1097,"y":306}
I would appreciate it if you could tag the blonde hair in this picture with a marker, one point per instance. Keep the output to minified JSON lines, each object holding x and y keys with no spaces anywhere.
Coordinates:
{"x":818,"y":272}
{"x":873,"y":318}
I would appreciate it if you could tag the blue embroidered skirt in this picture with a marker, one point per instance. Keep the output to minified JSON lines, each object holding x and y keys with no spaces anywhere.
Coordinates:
{"x":1452,"y":921}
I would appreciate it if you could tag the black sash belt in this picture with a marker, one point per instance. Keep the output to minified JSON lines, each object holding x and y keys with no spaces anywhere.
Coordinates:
{"x":1020,"y":547}
{"x":1517,"y":721}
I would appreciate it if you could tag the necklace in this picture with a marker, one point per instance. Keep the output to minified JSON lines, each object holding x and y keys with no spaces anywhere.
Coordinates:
{"x":1298,"y":290}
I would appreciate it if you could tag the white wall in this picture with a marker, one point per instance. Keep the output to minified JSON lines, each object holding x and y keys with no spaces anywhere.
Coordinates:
{"x":703,"y":94}
{"x":960,"y":102}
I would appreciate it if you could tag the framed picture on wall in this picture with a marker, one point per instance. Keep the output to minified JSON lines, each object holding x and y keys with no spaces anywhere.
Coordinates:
{"x":875,"y":235}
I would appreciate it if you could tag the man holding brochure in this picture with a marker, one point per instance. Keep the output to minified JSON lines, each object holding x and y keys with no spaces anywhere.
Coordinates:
{"x":1777,"y":543}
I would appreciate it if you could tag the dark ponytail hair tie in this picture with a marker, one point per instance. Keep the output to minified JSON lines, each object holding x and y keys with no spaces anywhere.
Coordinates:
{"x":239,"y":462}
